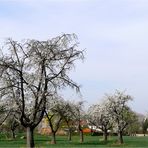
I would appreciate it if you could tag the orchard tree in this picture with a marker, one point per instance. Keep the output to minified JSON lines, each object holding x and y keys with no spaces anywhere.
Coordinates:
{"x":59,"y":111}
{"x":55,"y":112}
{"x":120,"y":112}
{"x":144,"y":125}
{"x":69,"y":118}
{"x":5,"y":110}
{"x":33,"y":70}
{"x":134,"y":127}
{"x":62,"y":109}
{"x":79,"y":116}
{"x":12,"y":124}
{"x":99,"y":116}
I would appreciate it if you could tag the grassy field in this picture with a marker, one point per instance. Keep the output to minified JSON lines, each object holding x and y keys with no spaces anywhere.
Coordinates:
{"x":90,"y":142}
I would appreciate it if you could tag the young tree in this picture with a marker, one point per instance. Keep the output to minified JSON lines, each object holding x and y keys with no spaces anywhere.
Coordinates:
{"x":10,"y":125}
{"x":99,"y":116}
{"x":134,"y":127}
{"x":120,"y":111}
{"x":63,"y":109}
{"x":33,"y":70}
{"x":69,"y":118}
{"x":78,"y":114}
{"x":55,"y":111}
{"x":144,"y":126}
{"x":5,"y":111}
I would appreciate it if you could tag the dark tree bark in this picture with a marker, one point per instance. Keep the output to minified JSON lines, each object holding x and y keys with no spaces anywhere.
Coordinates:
{"x":54,"y":126}
{"x":53,"y":137}
{"x":81,"y":136}
{"x":120,"y":137}
{"x":14,"y":125}
{"x":13,"y":134}
{"x":30,"y":137}
{"x":69,"y":134}
{"x":105,"y":135}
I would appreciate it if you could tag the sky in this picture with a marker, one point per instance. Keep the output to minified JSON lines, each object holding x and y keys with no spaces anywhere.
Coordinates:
{"x":114,"y":34}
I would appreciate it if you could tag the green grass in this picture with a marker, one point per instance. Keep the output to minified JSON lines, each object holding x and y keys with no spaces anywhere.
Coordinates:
{"x":89,"y":142}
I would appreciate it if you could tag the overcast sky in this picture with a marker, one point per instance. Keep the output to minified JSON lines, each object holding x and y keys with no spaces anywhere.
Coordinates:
{"x":113,"y":32}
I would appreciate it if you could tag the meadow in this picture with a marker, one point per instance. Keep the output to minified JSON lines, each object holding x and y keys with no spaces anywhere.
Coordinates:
{"x":89,"y":141}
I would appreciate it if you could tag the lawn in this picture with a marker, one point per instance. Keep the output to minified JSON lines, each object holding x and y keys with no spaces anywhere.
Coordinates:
{"x":90,"y":142}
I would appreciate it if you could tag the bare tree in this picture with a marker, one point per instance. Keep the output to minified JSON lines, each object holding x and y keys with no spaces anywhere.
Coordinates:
{"x":33,"y":70}
{"x":120,"y":111}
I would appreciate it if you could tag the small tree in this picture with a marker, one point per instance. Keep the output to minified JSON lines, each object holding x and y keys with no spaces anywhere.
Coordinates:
{"x":11,"y":126}
{"x":55,"y":112}
{"x":69,"y":118}
{"x":120,"y":111}
{"x":144,"y":126}
{"x":134,"y":127}
{"x":5,"y":110}
{"x":64,"y":109}
{"x":78,"y":114}
{"x":99,"y":116}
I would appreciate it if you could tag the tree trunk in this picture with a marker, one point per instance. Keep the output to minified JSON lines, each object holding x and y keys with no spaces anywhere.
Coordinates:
{"x":120,"y":137}
{"x":53,"y":138}
{"x":69,"y":134}
{"x":105,"y":135}
{"x":81,"y":136}
{"x":13,"y":134}
{"x":144,"y":133}
{"x":30,"y":138}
